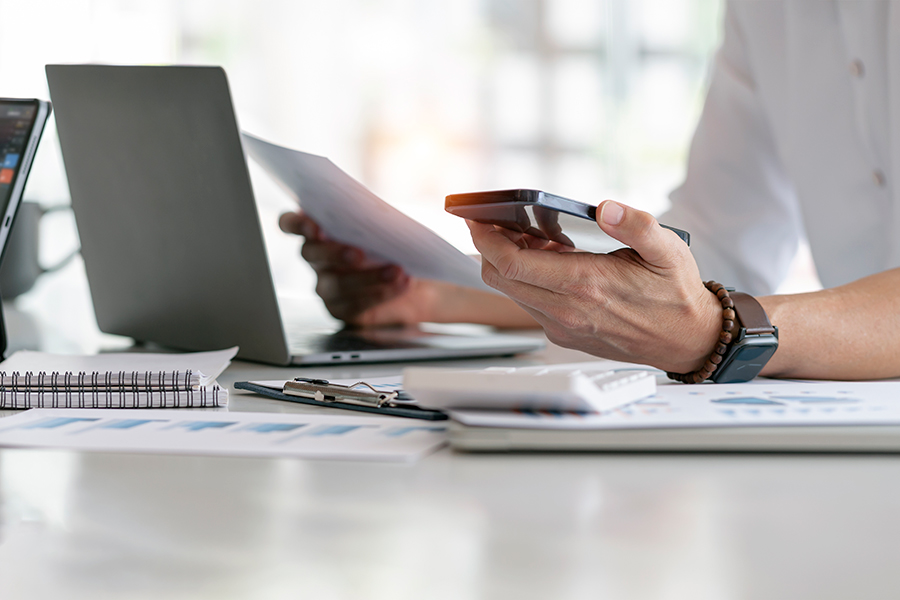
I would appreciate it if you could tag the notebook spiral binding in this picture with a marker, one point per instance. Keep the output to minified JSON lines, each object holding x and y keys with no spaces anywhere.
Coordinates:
{"x":149,"y":389}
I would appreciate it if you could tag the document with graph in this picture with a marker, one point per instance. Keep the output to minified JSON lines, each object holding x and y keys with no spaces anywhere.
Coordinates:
{"x":763,"y":402}
{"x":763,"y":415}
{"x":223,"y":433}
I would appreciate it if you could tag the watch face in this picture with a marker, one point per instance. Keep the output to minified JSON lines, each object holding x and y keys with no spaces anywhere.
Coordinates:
{"x":746,"y":359}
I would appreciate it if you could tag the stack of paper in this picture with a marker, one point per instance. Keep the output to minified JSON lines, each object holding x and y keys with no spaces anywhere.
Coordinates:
{"x":224,"y":433}
{"x":761,"y":415}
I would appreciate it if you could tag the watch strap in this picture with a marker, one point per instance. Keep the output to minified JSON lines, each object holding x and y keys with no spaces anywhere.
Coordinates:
{"x":751,"y":315}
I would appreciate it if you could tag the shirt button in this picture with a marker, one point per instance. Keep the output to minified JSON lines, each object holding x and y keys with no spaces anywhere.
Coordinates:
{"x":878,"y":177}
{"x":857,"y":68}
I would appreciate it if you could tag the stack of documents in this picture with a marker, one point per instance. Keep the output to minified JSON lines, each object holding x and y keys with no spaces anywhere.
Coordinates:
{"x":123,"y":380}
{"x":763,"y":415}
{"x":207,"y":433}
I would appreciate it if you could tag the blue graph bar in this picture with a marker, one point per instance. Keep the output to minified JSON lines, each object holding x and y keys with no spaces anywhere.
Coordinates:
{"x":401,"y":431}
{"x":128,"y":423}
{"x":334,"y":430}
{"x":272,"y":427}
{"x":201,"y":425}
{"x":747,"y":400}
{"x":54,"y":422}
{"x":819,"y":399}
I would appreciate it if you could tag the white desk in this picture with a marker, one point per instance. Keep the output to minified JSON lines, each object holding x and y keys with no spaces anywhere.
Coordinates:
{"x":454,"y":526}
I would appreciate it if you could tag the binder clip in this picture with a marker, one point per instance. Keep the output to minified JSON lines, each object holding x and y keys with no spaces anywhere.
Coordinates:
{"x":323,"y":390}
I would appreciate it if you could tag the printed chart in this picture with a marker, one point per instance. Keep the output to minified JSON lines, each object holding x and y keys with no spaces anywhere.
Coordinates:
{"x":223,"y":433}
{"x":760,"y":403}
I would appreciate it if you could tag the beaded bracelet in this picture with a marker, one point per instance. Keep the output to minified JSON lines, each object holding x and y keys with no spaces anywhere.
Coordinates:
{"x":712,"y":363}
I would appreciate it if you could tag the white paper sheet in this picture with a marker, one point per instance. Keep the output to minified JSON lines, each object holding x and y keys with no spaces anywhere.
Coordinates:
{"x":223,"y":433}
{"x":761,"y":402}
{"x":351,"y":214}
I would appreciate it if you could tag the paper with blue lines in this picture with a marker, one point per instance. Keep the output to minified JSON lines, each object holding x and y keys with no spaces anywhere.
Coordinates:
{"x":763,"y":402}
{"x":223,"y":433}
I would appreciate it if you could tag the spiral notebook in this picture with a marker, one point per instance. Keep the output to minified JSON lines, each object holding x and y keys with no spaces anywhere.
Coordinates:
{"x":121,"y":380}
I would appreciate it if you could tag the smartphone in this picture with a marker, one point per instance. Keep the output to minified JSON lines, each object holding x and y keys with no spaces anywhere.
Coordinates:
{"x":21,"y":125}
{"x":541,"y":215}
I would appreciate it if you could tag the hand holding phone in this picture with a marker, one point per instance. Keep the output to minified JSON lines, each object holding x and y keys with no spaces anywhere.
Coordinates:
{"x":541,"y":215}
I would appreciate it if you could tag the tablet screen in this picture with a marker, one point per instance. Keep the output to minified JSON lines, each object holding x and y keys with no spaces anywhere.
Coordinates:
{"x":16,"y":122}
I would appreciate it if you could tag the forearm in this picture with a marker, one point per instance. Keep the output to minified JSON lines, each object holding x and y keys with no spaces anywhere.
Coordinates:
{"x":456,"y":304}
{"x":848,"y":332}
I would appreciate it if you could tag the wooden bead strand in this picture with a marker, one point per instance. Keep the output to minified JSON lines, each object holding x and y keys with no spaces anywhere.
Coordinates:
{"x":725,"y":338}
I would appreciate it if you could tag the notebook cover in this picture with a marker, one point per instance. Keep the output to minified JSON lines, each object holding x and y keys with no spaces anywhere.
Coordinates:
{"x":411,"y":412}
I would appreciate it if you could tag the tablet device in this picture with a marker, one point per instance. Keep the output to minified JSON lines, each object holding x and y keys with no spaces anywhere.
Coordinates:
{"x":21,"y":125}
{"x":539,"y":214}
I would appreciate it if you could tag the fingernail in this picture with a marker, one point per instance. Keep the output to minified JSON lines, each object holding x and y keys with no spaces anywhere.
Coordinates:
{"x":612,"y":213}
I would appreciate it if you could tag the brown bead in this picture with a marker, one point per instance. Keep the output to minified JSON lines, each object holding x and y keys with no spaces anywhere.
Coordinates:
{"x":715,"y":358}
{"x":728,"y":314}
{"x":721,"y":348}
{"x":722,"y":294}
{"x":727,"y":325}
{"x":727,"y":302}
{"x":725,"y":337}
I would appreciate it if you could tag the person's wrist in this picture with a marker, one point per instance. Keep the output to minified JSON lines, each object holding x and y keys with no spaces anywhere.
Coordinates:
{"x":782,"y":363}
{"x":696,"y":336}
{"x":708,"y":336}
{"x":431,"y":300}
{"x":717,"y":335}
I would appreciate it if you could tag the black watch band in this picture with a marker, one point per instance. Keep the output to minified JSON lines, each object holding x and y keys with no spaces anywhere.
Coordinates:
{"x":752,"y":347}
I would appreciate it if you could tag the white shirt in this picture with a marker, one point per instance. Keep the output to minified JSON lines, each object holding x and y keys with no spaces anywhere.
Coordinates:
{"x":799,"y":136}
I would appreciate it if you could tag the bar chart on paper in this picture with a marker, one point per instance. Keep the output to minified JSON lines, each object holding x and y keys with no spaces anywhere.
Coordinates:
{"x":222,"y":433}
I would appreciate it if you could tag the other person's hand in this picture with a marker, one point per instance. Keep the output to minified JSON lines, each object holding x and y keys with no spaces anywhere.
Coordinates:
{"x":355,"y":288}
{"x":645,"y":303}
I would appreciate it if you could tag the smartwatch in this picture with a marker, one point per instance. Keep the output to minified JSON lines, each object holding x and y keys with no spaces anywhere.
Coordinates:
{"x":752,"y":347}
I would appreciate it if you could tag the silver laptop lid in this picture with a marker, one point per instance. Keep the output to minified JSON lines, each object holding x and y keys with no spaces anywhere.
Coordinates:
{"x":169,"y":228}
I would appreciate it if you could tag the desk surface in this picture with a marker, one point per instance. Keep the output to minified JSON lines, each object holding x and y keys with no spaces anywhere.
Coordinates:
{"x":455,"y":526}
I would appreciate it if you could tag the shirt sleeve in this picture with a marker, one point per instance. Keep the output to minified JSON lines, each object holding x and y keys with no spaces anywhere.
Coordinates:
{"x":737,"y":201}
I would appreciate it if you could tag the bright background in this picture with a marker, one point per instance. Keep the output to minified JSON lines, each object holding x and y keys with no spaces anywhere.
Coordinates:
{"x":589,"y":99}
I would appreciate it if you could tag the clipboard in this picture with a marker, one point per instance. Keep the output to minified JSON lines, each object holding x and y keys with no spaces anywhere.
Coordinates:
{"x":321,"y":392}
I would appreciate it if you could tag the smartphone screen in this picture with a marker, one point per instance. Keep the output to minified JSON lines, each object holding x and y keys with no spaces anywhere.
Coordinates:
{"x":541,"y":215}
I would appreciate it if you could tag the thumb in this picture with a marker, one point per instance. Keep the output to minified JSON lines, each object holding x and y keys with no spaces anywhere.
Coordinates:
{"x":640,"y":231}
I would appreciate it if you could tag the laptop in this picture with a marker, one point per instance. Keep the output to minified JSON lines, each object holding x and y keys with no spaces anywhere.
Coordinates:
{"x":170,"y":233}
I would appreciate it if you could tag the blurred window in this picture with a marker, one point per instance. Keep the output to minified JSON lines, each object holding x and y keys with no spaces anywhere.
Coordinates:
{"x":589,"y":99}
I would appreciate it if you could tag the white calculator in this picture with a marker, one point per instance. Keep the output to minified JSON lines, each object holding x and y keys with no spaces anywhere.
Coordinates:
{"x":581,"y":387}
